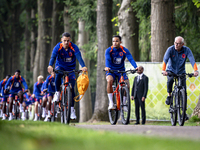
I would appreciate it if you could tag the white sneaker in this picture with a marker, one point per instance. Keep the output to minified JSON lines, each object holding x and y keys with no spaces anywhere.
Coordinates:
{"x":73,"y":115}
{"x":10,"y":118}
{"x":23,"y":116}
{"x":36,"y":118}
{"x":111,"y":106}
{"x":43,"y":114}
{"x":21,"y":108}
{"x":125,"y":108}
{"x":56,"y":97}
{"x":1,"y":113}
{"x":46,"y":119}
{"x":4,"y":117}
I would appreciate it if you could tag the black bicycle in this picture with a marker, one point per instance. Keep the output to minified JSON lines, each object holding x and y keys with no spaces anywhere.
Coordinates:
{"x":178,"y":102}
{"x":66,"y":96}
{"x":121,"y":99}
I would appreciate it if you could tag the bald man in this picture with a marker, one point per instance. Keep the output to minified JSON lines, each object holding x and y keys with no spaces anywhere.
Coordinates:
{"x":139,"y":94}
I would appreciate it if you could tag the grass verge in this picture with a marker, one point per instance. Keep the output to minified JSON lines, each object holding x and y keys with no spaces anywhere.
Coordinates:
{"x":29,"y":135}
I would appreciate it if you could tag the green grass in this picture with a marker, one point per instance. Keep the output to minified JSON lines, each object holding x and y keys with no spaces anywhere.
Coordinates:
{"x":30,"y":135}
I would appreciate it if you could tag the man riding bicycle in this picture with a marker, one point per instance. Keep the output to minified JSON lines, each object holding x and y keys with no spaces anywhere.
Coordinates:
{"x":50,"y":88}
{"x":37,"y":94}
{"x":114,"y":60}
{"x":176,"y":56}
{"x":14,"y":84}
{"x":65,"y":53}
{"x":4,"y":99}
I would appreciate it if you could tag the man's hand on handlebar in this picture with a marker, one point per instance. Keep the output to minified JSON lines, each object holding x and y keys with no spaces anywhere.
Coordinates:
{"x":164,"y":73}
{"x":196,"y":73}
{"x":107,"y":69}
{"x":50,"y":69}
{"x":84,"y":69}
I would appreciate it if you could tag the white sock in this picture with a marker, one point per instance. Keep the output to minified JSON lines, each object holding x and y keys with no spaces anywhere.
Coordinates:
{"x":1,"y":112}
{"x":49,"y":113}
{"x":23,"y":114}
{"x":10,"y":114}
{"x":35,"y":115}
{"x":44,"y":109}
{"x":110,"y":97}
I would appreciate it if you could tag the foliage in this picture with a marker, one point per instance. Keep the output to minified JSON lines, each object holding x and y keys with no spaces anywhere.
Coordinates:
{"x":187,"y":25}
{"x":196,"y":3}
{"x":143,"y":9}
{"x":194,"y":119}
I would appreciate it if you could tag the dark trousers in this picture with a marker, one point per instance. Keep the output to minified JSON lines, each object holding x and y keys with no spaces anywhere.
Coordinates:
{"x":139,"y":103}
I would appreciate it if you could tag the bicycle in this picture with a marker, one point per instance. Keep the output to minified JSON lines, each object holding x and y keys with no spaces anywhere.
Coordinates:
{"x":121,"y":99}
{"x":66,"y":96}
{"x":178,"y":100}
{"x":6,"y":105}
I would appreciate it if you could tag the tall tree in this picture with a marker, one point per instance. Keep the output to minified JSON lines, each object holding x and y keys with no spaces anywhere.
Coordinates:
{"x":57,"y":27}
{"x":162,"y":28}
{"x":129,"y":27}
{"x":104,"y":35}
{"x":85,"y":104}
{"x":43,"y":39}
{"x":27,"y":43}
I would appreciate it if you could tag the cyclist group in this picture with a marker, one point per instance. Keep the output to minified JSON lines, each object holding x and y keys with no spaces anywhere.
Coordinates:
{"x":65,"y":53}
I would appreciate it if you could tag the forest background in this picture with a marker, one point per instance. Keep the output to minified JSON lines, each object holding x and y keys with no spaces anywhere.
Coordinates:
{"x":30,"y":29}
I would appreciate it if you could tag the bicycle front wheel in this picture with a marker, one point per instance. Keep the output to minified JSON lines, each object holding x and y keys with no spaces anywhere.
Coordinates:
{"x":67,"y":106}
{"x":173,"y":110}
{"x":181,"y":107}
{"x":125,"y":105}
{"x":113,"y":113}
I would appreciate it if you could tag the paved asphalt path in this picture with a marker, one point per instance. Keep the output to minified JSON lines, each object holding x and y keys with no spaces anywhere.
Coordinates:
{"x":187,"y":132}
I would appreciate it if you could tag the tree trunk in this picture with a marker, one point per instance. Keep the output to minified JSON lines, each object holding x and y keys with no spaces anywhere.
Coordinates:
{"x":43,"y":40}
{"x":66,"y":19}
{"x":196,"y":111}
{"x":85,"y":105}
{"x":33,"y":38}
{"x":162,"y":28}
{"x":129,"y":27}
{"x":104,"y":35}
{"x":57,"y":28}
{"x":27,"y":44}
{"x":16,"y":38}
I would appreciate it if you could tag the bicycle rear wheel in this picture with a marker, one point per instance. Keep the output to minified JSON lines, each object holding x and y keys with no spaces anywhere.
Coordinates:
{"x":67,"y":107}
{"x":173,"y":110}
{"x":53,"y":111}
{"x":113,"y":113}
{"x":125,"y":105}
{"x":39,"y":112}
{"x":181,"y":107}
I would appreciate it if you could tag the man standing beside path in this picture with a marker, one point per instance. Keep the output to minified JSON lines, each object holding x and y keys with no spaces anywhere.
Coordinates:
{"x":139,"y":94}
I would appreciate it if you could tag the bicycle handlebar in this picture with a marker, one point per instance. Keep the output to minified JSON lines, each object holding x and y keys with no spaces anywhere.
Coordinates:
{"x":180,"y":75}
{"x":119,"y":71}
{"x":67,"y":72}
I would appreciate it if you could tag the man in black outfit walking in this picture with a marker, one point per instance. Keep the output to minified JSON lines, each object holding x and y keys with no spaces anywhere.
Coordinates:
{"x":139,"y":94}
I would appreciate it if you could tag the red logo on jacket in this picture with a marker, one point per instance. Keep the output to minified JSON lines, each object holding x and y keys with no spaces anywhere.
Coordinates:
{"x":121,"y":54}
{"x":183,"y":55}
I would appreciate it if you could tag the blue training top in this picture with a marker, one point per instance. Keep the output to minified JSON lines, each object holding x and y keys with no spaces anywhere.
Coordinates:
{"x":15,"y":84}
{"x":176,"y":60}
{"x":37,"y":89}
{"x":114,"y":58}
{"x":50,"y":84}
{"x":2,"y":85}
{"x":66,"y":59}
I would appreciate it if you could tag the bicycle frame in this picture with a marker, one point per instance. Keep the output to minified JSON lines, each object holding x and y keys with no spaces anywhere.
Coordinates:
{"x":118,"y":91}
